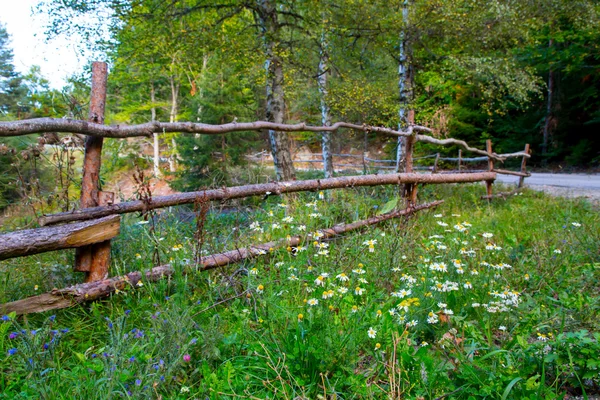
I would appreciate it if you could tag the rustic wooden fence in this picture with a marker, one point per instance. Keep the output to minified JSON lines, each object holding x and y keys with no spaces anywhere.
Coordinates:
{"x":90,"y":228}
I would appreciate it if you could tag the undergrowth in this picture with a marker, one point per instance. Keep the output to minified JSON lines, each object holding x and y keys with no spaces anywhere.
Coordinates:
{"x":470,"y":300}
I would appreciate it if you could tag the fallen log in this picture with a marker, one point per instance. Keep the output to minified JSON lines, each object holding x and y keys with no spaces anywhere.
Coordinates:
{"x":276,"y":188}
{"x":40,"y":240}
{"x":77,"y":294}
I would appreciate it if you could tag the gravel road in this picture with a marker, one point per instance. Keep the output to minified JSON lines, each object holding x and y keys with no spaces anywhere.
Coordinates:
{"x":565,"y":185}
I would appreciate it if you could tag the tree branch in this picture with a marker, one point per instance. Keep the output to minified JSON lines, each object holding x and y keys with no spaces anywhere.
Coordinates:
{"x":44,"y":125}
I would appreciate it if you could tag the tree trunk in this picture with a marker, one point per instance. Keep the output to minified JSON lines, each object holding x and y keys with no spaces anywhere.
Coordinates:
{"x":405,"y":87}
{"x":549,"y":120}
{"x":275,"y":107}
{"x":173,"y":118}
{"x":325,"y":110}
{"x":155,"y":135}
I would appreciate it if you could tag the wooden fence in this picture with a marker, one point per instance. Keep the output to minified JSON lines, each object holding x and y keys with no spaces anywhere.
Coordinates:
{"x":91,"y":227}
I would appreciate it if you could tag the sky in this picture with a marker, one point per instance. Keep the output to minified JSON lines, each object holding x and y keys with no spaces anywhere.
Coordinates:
{"x":58,"y":59}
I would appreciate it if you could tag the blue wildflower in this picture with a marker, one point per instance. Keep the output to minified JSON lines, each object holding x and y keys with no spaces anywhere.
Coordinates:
{"x":5,"y":318}
{"x":12,"y":352}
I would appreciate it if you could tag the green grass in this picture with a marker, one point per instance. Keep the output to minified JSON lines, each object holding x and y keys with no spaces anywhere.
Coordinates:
{"x":514,"y":321}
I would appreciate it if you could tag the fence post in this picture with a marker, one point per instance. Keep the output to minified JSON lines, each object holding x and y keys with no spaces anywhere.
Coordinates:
{"x":437,"y":158}
{"x":459,"y":159}
{"x":488,"y":184}
{"x":94,"y":260}
{"x":523,"y":166}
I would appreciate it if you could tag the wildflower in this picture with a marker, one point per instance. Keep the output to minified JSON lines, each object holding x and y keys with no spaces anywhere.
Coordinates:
{"x":327,"y":294}
{"x":320,"y":281}
{"x":542,"y":337}
{"x":138,"y":382}
{"x":557,"y":251}
{"x":275,"y":226}
{"x":321,"y":195}
{"x":343,"y":290}
{"x":372,"y":333}
{"x":187,"y":357}
{"x":293,"y":277}
{"x":371,"y":243}
{"x":301,"y":228}
{"x":253,"y":271}
{"x":526,"y":277}
{"x":412,"y":323}
{"x":377,"y":346}
{"x":36,"y":287}
{"x":502,"y":328}
{"x":342,"y":277}
{"x":184,"y":389}
{"x":359,"y":291}
{"x":492,"y":246}
{"x":139,"y":284}
{"x":487,"y":235}
{"x":468,"y":285}
{"x":440,"y":223}
{"x":424,"y":344}
{"x":576,"y":224}
{"x":378,"y":314}
{"x":260,"y":289}
{"x":255,"y":226}
{"x":300,"y":317}
{"x":432,"y":318}
{"x":354,"y":309}
{"x":315,"y":215}
{"x":359,"y":271}
{"x":438,"y":215}
{"x":460,"y":228}
{"x":288,"y":220}
{"x":12,"y":351}
{"x":312,"y":302}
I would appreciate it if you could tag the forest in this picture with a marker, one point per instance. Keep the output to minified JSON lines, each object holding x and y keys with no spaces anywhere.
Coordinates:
{"x":514,"y":71}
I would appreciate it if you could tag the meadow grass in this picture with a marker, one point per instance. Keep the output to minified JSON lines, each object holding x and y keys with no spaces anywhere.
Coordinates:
{"x":470,"y":300}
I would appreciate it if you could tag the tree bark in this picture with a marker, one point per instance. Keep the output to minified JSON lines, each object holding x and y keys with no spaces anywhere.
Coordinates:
{"x":274,"y":188}
{"x":41,"y":240}
{"x":275,"y":107}
{"x":63,"y":298}
{"x":323,"y":74}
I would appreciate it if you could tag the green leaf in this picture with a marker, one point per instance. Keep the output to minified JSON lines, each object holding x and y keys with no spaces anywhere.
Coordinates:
{"x":389,"y":206}
{"x":510,"y":386}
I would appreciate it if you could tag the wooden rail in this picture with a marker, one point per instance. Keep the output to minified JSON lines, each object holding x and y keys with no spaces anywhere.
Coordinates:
{"x":265,"y":189}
